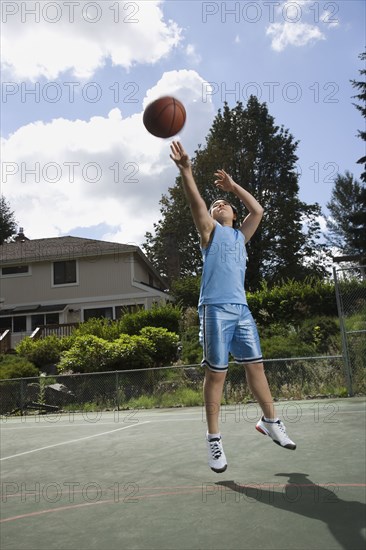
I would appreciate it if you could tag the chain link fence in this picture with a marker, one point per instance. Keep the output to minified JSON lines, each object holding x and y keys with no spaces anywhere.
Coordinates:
{"x":289,"y":378}
{"x":350,"y":286}
{"x":293,"y":378}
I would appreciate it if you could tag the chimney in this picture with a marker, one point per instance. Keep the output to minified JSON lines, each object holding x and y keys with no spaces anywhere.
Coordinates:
{"x":21,"y":238}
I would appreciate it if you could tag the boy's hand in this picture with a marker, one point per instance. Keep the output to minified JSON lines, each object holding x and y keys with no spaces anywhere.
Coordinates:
{"x":179,"y":156}
{"x":224,"y":181}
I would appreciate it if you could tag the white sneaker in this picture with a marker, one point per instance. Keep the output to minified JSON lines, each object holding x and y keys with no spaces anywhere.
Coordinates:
{"x":277,"y":431}
{"x":216,"y":456}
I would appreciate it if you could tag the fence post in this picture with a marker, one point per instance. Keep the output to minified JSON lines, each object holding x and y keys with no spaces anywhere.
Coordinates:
{"x":117,"y":391}
{"x":22,"y":393}
{"x":345,"y":351}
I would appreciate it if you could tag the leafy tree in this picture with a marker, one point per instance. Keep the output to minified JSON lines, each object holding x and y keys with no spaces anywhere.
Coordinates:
{"x":361,"y":86}
{"x":7,"y":221}
{"x":347,"y":222}
{"x":186,"y":290}
{"x":261,"y":157}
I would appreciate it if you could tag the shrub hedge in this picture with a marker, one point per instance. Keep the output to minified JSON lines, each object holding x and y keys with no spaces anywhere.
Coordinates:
{"x":14,"y":366}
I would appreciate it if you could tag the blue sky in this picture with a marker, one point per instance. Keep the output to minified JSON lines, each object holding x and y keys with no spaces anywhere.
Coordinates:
{"x":76,"y":76}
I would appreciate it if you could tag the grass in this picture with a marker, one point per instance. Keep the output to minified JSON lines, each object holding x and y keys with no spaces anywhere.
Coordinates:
{"x":182,"y":397}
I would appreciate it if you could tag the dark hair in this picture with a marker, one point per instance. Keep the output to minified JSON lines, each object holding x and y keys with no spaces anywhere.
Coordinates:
{"x":235,"y":210}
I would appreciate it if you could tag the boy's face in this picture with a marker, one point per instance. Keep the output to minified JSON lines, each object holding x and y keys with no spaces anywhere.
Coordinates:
{"x":222,"y":211}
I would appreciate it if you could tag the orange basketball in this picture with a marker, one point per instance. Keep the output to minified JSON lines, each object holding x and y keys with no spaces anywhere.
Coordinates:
{"x":164,"y":117}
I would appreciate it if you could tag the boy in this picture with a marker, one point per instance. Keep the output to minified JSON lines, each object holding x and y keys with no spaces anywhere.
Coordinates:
{"x":226,"y":324}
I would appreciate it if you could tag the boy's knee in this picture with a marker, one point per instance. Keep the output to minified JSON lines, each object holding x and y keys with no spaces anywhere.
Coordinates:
{"x":214,"y":377}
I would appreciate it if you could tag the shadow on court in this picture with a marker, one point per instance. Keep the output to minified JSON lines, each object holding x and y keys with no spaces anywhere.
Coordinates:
{"x":344,"y":519}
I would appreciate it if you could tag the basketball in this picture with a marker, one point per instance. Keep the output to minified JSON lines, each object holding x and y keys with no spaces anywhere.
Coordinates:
{"x":164,"y":117}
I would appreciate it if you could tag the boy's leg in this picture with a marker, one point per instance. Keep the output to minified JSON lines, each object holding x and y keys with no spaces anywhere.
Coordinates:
{"x":212,"y":392}
{"x":217,"y":324}
{"x":258,"y":385}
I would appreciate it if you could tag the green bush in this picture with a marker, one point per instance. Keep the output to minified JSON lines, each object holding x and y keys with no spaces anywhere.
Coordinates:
{"x":45,"y":351}
{"x":279,"y":346}
{"x":165,"y":344}
{"x":290,"y":300}
{"x":293,"y":301}
{"x":101,"y":327}
{"x":186,"y":290}
{"x":322,"y":333}
{"x":191,"y":348}
{"x":133,"y":352}
{"x":90,"y":353}
{"x":13,"y":366}
{"x":167,"y":316}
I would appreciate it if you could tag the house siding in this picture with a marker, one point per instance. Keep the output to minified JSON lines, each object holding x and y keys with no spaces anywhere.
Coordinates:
{"x":109,"y":276}
{"x":106,"y":276}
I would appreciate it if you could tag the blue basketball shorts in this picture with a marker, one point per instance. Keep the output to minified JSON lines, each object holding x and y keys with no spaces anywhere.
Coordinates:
{"x":228,"y":329}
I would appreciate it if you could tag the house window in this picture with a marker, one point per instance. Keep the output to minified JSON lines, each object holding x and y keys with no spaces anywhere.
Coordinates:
{"x":52,"y":319}
{"x":15,"y":324}
{"x":64,"y":273}
{"x":20,"y":323}
{"x":98,"y":312}
{"x":41,"y":319}
{"x":15,"y":270}
{"x":5,"y":324}
{"x":37,"y":321}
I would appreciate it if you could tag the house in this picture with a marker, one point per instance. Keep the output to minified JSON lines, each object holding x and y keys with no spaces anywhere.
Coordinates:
{"x":71,"y":279}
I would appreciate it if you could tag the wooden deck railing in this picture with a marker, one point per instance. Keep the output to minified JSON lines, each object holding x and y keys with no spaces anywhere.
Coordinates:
{"x":5,"y":341}
{"x":64,"y":329}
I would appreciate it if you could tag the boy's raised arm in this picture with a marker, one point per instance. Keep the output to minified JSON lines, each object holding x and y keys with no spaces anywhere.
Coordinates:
{"x":203,"y":221}
{"x":253,"y":219}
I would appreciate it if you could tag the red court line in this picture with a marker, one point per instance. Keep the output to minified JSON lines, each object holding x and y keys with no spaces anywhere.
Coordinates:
{"x":109,"y":501}
{"x":54,"y":510}
{"x":187,"y":490}
{"x":248,"y":486}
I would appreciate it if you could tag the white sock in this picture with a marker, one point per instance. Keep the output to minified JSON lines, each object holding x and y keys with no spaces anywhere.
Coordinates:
{"x":213,"y":436}
{"x":271,"y":420}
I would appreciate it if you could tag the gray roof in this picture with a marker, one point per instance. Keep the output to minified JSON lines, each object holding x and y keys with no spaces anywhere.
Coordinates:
{"x":59,"y":248}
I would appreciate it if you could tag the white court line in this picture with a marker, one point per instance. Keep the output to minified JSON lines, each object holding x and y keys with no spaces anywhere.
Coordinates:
{"x":73,"y":441}
{"x":225,"y":409}
{"x":65,"y":417}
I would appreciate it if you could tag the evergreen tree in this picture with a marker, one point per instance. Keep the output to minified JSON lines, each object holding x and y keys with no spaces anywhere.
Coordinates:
{"x":358,"y":223}
{"x":7,"y":221}
{"x":261,"y":157}
{"x":361,"y":86}
{"x":347,"y":222}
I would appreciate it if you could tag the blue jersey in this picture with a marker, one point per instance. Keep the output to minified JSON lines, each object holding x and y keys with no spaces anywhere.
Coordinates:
{"x":224,"y":265}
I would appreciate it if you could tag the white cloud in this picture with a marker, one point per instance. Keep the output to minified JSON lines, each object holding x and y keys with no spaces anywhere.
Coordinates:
{"x":293,"y":34}
{"x":298,"y":24}
{"x":192,"y":54}
{"x":80,"y":41}
{"x":66,"y":174}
